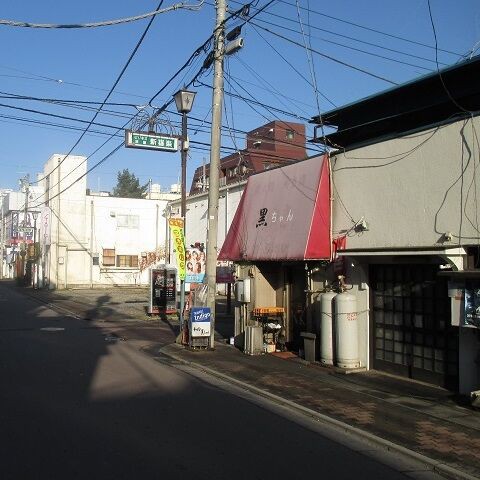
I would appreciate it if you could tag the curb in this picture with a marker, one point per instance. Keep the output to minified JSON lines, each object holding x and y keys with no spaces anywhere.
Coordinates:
{"x":434,"y":465}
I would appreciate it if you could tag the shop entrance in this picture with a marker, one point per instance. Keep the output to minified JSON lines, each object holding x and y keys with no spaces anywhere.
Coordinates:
{"x":295,"y":284}
{"x":411,"y":332}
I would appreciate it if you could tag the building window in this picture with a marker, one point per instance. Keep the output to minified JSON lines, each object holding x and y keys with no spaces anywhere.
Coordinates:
{"x":289,"y":134}
{"x":109,"y":257}
{"x":128,"y":221}
{"x":127,"y":261}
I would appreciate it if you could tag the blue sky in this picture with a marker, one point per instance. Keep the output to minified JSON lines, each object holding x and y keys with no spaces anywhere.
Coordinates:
{"x":82,"y":65}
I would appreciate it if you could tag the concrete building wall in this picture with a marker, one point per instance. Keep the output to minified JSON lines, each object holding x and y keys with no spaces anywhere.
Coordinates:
{"x":82,"y":225}
{"x":130,"y":227}
{"x":68,"y":217}
{"x":411,"y":190}
{"x":197,"y":213}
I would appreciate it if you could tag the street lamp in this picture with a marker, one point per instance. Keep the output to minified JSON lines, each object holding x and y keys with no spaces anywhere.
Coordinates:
{"x":35,"y":258}
{"x":184,"y":102}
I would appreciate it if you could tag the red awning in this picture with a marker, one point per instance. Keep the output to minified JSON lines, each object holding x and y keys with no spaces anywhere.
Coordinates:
{"x":284,"y":214}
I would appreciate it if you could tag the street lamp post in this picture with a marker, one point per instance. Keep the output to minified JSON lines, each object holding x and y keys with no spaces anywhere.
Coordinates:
{"x":35,"y":254}
{"x":184,"y":101}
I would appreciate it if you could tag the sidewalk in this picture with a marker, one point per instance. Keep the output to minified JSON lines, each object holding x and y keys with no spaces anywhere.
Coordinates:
{"x":423,"y":419}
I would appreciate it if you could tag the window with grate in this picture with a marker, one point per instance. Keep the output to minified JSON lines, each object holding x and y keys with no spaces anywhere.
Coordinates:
{"x":127,"y":261}
{"x":109,"y":257}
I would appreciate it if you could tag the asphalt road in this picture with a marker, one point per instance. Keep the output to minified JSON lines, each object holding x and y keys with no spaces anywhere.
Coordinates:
{"x":78,"y":403}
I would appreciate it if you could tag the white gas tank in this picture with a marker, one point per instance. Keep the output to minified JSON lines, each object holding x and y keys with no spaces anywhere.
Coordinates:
{"x":346,"y":330}
{"x":326,"y":328}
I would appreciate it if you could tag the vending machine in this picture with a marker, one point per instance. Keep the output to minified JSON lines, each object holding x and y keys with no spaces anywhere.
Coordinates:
{"x":163,"y":291}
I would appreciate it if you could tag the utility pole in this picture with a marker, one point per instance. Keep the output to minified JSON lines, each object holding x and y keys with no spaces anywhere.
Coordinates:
{"x":213,"y":191}
{"x":25,"y":181}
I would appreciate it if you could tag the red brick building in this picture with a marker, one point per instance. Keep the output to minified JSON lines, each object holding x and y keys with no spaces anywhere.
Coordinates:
{"x":272,"y":145}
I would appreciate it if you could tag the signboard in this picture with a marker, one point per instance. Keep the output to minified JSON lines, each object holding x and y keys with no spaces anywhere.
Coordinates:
{"x":163,"y":290}
{"x":225,"y":272}
{"x":200,"y":322}
{"x":176,"y":227}
{"x":195,"y":264}
{"x":472,"y":305}
{"x":21,"y":227}
{"x":45,"y":227}
{"x":151,"y":141}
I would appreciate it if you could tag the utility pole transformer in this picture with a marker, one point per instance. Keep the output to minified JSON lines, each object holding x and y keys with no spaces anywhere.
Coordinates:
{"x":213,"y":191}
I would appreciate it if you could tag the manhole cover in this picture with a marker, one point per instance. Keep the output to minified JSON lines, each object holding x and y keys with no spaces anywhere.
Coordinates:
{"x":52,"y":329}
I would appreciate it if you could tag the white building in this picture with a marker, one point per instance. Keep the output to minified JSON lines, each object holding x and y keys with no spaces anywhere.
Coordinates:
{"x":89,"y":239}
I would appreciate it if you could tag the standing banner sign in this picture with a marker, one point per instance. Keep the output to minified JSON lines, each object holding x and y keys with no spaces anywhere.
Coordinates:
{"x":176,"y":227}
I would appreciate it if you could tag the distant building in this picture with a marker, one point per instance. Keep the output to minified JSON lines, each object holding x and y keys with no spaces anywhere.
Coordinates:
{"x":272,"y":145}
{"x":83,"y":238}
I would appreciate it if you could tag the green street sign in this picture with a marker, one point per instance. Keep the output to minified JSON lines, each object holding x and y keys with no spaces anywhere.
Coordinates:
{"x":27,"y":230}
{"x":151,"y":141}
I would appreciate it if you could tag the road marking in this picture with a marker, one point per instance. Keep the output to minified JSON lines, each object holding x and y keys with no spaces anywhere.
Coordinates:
{"x":52,"y":329}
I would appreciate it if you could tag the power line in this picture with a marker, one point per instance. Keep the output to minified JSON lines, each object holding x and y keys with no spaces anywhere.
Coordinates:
{"x":329,"y":57}
{"x":349,"y":47}
{"x":36,"y":76}
{"x":248,"y":102}
{"x":256,"y":102}
{"x":120,"y":75}
{"x":99,"y":109}
{"x":355,"y":39}
{"x":348,"y":37}
{"x":397,"y":37}
{"x":63,"y":117}
{"x":291,"y":66}
{"x":57,"y":126}
{"x":74,"y":103}
{"x":268,"y":87}
{"x":159,"y":110}
{"x":107,"y":23}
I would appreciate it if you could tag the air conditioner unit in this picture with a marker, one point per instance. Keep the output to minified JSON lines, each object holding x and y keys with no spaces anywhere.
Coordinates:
{"x":253,"y":340}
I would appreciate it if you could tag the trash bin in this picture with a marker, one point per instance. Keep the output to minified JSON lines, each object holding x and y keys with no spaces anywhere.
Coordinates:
{"x":309,"y":341}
